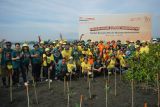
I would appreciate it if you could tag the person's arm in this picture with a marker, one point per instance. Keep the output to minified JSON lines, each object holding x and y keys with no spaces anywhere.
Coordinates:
{"x":34,"y":55}
{"x":14,"y":58}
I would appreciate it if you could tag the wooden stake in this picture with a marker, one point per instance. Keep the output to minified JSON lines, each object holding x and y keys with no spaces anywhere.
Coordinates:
{"x":104,"y":71}
{"x":106,"y":94}
{"x":120,"y":73}
{"x":145,"y":104}
{"x":68,"y":95}
{"x":35,"y":92}
{"x":147,"y":84}
{"x":70,"y":79}
{"x":132,"y":93}
{"x":88,"y":76}
{"x":64,"y":85}
{"x":89,"y":84}
{"x":158,"y":89}
{"x":81,"y":99}
{"x":49,"y":83}
{"x":104,"y":74}
{"x":11,"y":94}
{"x":108,"y":75}
{"x":27,"y":94}
{"x":68,"y":87}
{"x":115,"y":90}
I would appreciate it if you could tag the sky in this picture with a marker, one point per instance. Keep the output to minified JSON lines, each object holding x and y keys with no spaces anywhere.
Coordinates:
{"x":24,"y":20}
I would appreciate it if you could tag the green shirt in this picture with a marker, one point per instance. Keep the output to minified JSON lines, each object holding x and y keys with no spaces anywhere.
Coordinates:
{"x":26,"y":56}
{"x":16,"y":63}
{"x":37,"y":60}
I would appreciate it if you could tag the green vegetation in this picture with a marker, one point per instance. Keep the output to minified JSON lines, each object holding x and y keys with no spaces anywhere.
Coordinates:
{"x":145,"y":68}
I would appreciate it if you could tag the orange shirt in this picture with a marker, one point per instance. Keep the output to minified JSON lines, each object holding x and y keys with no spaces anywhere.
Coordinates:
{"x":91,"y":61}
{"x":101,"y":47}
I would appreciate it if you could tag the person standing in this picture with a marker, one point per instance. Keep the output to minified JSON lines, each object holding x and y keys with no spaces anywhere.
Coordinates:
{"x":36,"y":61}
{"x":48,"y":65}
{"x":26,"y":58}
{"x":6,"y":62}
{"x":17,"y":65}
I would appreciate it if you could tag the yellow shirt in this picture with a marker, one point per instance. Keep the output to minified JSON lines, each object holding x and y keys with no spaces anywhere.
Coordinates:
{"x":47,"y":59}
{"x":80,"y":48}
{"x":144,"y":49}
{"x":112,"y":64}
{"x":137,"y":53}
{"x":9,"y":67}
{"x":81,"y":59}
{"x":86,"y":52}
{"x":85,"y":66}
{"x":66,"y":54}
{"x":122,"y":61}
{"x":71,"y":66}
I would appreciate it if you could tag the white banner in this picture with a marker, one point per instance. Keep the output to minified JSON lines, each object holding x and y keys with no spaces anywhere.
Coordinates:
{"x":115,"y":27}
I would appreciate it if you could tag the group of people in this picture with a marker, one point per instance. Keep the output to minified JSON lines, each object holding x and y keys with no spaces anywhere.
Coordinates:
{"x":60,"y":58}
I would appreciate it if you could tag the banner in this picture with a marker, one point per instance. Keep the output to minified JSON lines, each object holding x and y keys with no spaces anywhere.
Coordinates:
{"x":122,"y":27}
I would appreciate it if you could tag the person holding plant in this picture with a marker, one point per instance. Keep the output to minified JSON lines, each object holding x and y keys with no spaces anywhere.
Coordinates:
{"x":71,"y":66}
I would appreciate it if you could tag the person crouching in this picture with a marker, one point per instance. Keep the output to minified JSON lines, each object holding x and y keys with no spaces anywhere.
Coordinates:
{"x":61,"y":69}
{"x":97,"y":67}
{"x":71,"y":65}
{"x":86,"y":68}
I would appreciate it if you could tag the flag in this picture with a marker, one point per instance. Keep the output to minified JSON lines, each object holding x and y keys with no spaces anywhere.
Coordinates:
{"x":39,"y":39}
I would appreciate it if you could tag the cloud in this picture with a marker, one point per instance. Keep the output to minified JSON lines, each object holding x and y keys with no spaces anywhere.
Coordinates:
{"x":32,"y":17}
